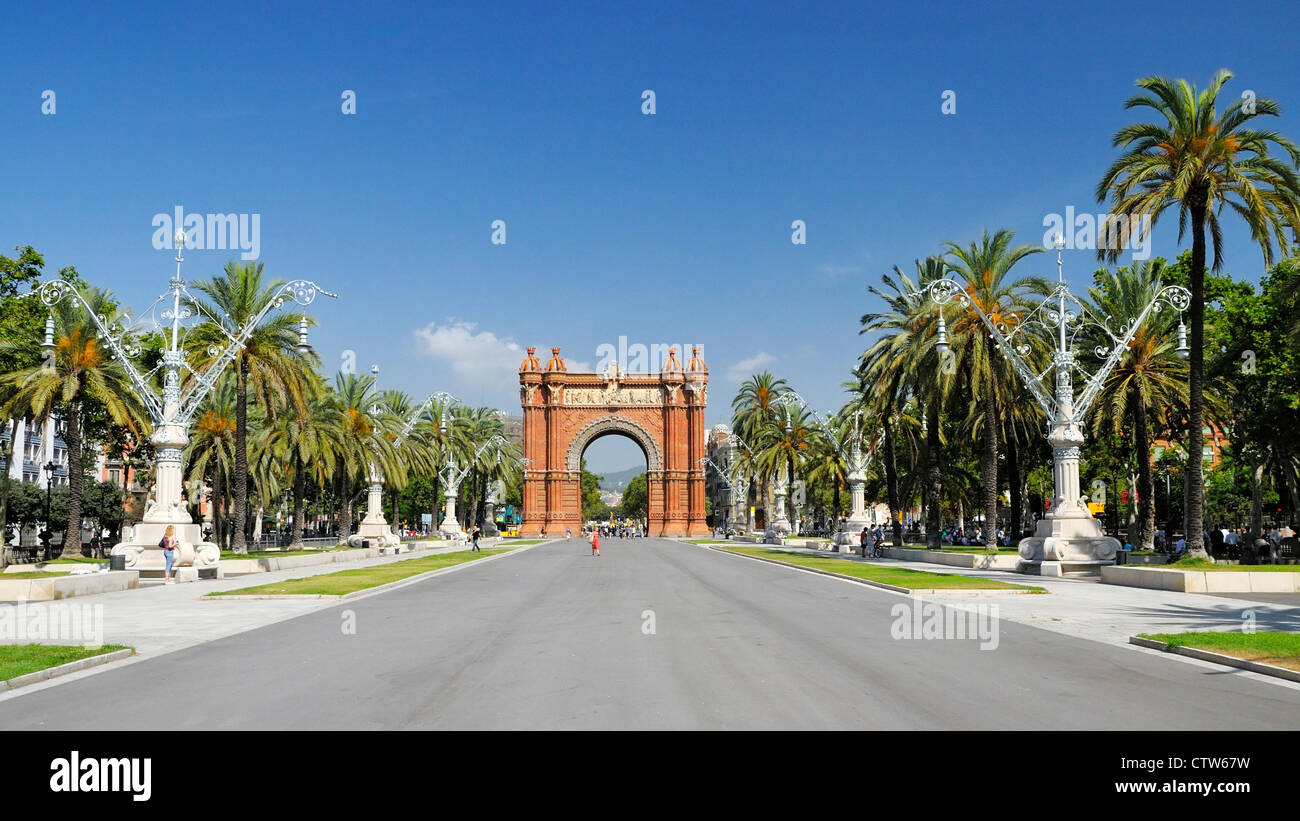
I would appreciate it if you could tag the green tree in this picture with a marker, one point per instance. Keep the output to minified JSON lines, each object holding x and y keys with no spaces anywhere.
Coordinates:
{"x":635,"y":503}
{"x":985,"y":266}
{"x":21,"y":319}
{"x":1197,"y":162}
{"x":593,"y":507}
{"x":268,"y":365}
{"x":1147,"y":380}
{"x":80,"y":372}
{"x":899,"y":364}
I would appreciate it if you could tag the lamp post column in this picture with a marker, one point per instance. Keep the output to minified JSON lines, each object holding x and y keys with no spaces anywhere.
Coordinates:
{"x":847,"y":536}
{"x":779,"y":527}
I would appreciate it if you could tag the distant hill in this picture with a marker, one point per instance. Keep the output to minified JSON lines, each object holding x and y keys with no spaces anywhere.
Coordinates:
{"x":618,"y":480}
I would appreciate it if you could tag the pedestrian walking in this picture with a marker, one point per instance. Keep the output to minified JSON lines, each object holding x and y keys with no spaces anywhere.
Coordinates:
{"x":475,"y":534}
{"x":168,"y":545}
{"x":595,"y":541}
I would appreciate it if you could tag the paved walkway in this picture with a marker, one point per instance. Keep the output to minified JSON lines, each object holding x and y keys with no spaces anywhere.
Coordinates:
{"x":654,"y":634}
{"x":158,"y":618}
{"x":1088,"y":609}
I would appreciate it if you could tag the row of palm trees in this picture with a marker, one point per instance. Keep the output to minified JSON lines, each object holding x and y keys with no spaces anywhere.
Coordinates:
{"x":934,"y":414}
{"x":271,"y":426}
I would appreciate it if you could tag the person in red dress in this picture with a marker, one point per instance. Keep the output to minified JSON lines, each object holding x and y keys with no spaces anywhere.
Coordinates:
{"x":595,"y":541}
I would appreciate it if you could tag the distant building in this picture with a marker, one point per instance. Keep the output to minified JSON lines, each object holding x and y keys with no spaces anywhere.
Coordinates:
{"x":1212,"y":447}
{"x":36,"y":446}
{"x":716,"y":490}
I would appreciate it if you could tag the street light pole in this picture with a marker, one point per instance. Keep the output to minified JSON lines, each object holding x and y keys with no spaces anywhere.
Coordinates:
{"x":375,"y":525}
{"x":747,"y":514}
{"x":1068,"y":537}
{"x":172,"y":412}
{"x":850,"y":450}
{"x":47,"y":536}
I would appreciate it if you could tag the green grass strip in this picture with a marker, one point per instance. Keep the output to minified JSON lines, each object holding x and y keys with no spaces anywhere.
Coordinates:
{"x":361,"y":578}
{"x":34,"y":574}
{"x":898,"y":576}
{"x":20,"y":659}
{"x":1202,"y":564}
{"x":275,"y":554}
{"x":1279,"y":649}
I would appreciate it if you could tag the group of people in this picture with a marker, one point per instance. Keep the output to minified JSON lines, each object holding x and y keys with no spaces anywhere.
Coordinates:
{"x":872,"y":542}
{"x":961,"y":536}
{"x":614,"y":531}
{"x":1231,"y":543}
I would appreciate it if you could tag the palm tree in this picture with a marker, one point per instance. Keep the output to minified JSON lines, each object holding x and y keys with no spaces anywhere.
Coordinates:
{"x":367,"y":436}
{"x":753,"y":410}
{"x":787,"y":442}
{"x":306,"y":442}
{"x":986,"y":267}
{"x":269,"y":364}
{"x":1149,"y":379}
{"x":902,"y":362}
{"x":211,"y":451}
{"x":1197,"y":162}
{"x":83,"y":374}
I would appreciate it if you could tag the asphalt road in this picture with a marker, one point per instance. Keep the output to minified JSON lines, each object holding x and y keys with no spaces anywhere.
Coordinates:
{"x":554,"y":638}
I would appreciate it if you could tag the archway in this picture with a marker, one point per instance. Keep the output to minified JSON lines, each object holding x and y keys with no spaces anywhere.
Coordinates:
{"x":663,"y":413}
{"x":615,"y":459}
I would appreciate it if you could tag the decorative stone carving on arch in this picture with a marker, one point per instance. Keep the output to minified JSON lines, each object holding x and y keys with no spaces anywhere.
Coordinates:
{"x":612,"y":425}
{"x":565,"y":411}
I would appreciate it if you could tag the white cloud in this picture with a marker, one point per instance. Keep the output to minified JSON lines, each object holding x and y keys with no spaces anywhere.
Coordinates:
{"x":746,"y":368}
{"x":834,"y":270}
{"x":481,"y":358}
{"x":478,"y":358}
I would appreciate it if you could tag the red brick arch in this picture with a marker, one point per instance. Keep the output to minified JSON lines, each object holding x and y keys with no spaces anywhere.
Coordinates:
{"x":565,"y":412}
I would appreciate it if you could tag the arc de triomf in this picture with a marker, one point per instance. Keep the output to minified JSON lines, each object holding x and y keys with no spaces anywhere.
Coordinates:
{"x":565,"y":412}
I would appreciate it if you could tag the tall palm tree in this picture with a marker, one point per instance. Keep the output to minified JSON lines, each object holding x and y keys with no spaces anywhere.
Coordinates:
{"x":788,"y":442}
{"x":211,"y":451}
{"x":367,"y":436}
{"x":1196,"y":161}
{"x":269,"y":365}
{"x":82,"y":373}
{"x":1149,"y":379}
{"x":986,"y":268}
{"x":902,"y":362}
{"x":302,"y":443}
{"x":752,"y":410}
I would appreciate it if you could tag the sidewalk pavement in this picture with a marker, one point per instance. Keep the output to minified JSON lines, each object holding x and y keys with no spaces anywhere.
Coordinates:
{"x":1086,"y":608}
{"x":158,"y":618}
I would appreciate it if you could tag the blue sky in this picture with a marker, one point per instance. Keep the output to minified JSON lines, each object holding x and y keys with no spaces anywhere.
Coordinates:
{"x":670,"y":228}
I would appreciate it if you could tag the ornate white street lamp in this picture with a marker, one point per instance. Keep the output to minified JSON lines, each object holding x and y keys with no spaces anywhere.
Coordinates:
{"x":453,"y":475}
{"x":778,"y":525}
{"x":737,"y":487}
{"x":172,"y":412}
{"x":374,"y":525}
{"x":850,"y":450}
{"x":1068,"y":538}
{"x":745,"y":512}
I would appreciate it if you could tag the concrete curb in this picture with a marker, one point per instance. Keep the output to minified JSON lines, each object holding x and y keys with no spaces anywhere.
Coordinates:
{"x":967,"y":591}
{"x":1218,"y":658}
{"x":66,"y":585}
{"x":382,"y":588}
{"x":64,"y":669}
{"x":891,"y":587}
